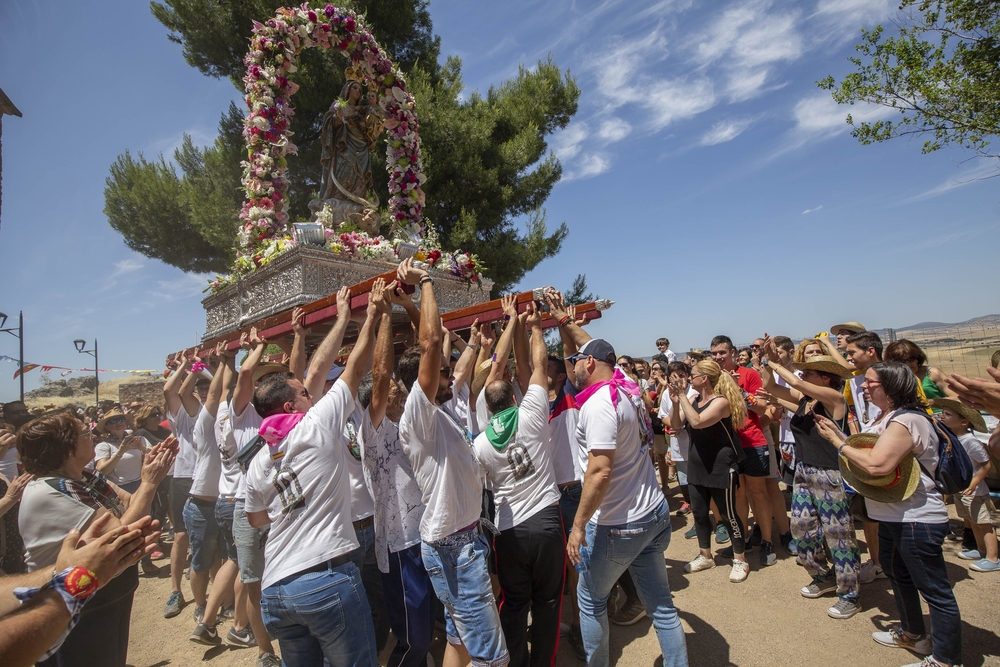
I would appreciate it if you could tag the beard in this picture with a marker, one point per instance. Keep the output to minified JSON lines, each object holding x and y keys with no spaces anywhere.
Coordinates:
{"x":444,"y":395}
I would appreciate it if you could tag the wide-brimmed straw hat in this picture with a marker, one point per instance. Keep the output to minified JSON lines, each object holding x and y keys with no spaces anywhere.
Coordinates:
{"x":824,"y":363}
{"x":479,"y":381}
{"x":995,"y":359}
{"x":267,"y":369}
{"x":853,"y":327}
{"x":111,"y":414}
{"x":976,"y":420}
{"x":897,"y":486}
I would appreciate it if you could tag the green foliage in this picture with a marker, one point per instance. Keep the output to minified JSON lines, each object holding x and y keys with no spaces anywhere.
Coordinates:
{"x":488,"y":166}
{"x":940,"y":72}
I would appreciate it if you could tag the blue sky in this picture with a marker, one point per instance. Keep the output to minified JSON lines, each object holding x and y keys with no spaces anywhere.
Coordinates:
{"x":710,"y":186}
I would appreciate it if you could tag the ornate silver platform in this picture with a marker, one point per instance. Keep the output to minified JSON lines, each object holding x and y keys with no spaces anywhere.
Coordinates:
{"x":302,"y":275}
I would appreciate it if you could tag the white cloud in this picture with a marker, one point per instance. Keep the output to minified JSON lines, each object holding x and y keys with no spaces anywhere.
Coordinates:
{"x":842,"y":20}
{"x":614,"y":129}
{"x":724,"y":131}
{"x":567,"y":144}
{"x":982,"y":171}
{"x":812,"y":210}
{"x":588,"y":166}
{"x":127,"y":266}
{"x":185,"y":286}
{"x":820,"y":114}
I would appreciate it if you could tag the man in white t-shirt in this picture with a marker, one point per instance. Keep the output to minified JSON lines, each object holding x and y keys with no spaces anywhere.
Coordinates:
{"x":439,"y":447}
{"x":516,"y":453}
{"x":313,"y":599}
{"x":183,"y":405}
{"x":622,"y":510}
{"x":409,"y":599}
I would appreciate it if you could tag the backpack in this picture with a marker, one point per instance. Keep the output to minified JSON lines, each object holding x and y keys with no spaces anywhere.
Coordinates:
{"x":954,"y":471}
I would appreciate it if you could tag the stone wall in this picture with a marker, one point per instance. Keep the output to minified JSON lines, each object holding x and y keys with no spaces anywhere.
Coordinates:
{"x":145,"y":392}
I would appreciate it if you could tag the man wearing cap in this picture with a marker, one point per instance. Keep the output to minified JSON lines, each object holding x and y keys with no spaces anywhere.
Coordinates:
{"x":453,"y":547}
{"x":313,"y":599}
{"x":622,"y":509}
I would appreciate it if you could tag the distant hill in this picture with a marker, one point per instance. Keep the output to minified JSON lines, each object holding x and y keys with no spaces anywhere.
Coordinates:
{"x":982,"y":319}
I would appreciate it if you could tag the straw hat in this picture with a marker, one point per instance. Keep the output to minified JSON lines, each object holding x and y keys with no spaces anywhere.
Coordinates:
{"x":111,"y":414}
{"x":975,"y":418}
{"x":479,"y":381}
{"x":995,"y":359}
{"x":852,"y":327}
{"x":267,"y":369}
{"x":892,"y":488}
{"x":824,"y":363}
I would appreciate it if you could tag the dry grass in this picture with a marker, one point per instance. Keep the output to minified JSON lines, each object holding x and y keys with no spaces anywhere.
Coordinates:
{"x":108,"y":389}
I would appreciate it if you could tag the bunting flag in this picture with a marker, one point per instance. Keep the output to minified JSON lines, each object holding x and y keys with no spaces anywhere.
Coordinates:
{"x":68,"y":371}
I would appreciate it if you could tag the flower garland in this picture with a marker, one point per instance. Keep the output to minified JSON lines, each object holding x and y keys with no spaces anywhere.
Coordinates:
{"x":274,"y":48}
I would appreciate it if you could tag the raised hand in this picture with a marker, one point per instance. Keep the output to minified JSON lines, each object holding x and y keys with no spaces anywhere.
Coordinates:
{"x":255,"y":338}
{"x":158,"y":460}
{"x":344,"y":301}
{"x":487,"y":337}
{"x":556,"y":303}
{"x":533,"y":315}
{"x":298,"y":321}
{"x":508,"y":304}
{"x":770,"y":348}
{"x":244,"y":341}
{"x":381,"y":296}
{"x":474,"y":332}
{"x":408,"y":274}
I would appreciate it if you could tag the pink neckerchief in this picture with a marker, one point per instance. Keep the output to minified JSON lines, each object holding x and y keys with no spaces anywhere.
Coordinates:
{"x":619,"y":381}
{"x":274,"y":428}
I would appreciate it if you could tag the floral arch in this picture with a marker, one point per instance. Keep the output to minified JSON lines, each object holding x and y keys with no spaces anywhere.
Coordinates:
{"x":274,"y":49}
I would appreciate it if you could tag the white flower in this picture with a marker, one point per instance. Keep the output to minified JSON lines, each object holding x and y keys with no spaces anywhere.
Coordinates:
{"x":260,"y":123}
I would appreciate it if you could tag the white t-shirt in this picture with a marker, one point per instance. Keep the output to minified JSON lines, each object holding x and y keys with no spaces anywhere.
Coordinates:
{"x":680,"y":444}
{"x":45,"y":518}
{"x":245,"y":428}
{"x":974,"y":448}
{"x":459,"y":403}
{"x":521,"y":475}
{"x":182,"y":426}
{"x":926,"y":504}
{"x":8,"y":465}
{"x":398,"y":507}
{"x":208,"y":467}
{"x":310,"y":515}
{"x":440,"y":453}
{"x":362,"y":505}
{"x":129,"y":468}
{"x":230,"y":477}
{"x":563,"y":416}
{"x":785,"y":434}
{"x":633,"y":491}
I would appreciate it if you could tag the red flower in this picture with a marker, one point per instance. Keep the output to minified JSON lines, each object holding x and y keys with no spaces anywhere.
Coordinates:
{"x":312,"y":15}
{"x":349,"y":24}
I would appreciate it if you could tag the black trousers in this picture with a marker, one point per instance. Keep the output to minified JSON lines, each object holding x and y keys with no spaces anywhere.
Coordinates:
{"x":725,"y":500}
{"x":531,"y":561}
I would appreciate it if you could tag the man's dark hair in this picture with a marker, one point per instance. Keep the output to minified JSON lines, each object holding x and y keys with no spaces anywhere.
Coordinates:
{"x":499,"y":395}
{"x":784,"y":343}
{"x":365,"y":390}
{"x":719,"y":340}
{"x":899,"y":384}
{"x":865,"y":340}
{"x":202,"y":383}
{"x":270,"y":396}
{"x":44,"y":443}
{"x":10,"y":408}
{"x":662,"y":358}
{"x":678,"y":367}
{"x":408,"y":368}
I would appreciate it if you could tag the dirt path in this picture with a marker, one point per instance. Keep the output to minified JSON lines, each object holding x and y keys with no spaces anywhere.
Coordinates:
{"x":763,"y":621}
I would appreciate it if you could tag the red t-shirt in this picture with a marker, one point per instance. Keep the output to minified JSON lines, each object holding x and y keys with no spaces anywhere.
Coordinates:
{"x":751,"y":434}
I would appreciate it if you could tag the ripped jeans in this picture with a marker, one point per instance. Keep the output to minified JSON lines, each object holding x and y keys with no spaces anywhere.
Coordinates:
{"x":637,"y":547}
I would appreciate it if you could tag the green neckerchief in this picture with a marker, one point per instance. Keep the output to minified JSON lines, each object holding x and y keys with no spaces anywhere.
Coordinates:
{"x":502,"y":427}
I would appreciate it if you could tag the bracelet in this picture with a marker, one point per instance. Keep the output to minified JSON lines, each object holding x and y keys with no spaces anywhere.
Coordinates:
{"x":425,"y":279}
{"x":563,"y":321}
{"x":840,"y":450}
{"x":75,"y":586}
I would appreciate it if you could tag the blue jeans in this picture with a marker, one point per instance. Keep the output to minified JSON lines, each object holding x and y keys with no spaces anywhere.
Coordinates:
{"x":364,"y":559}
{"x":911,"y":557}
{"x":308,"y":614}
{"x":411,"y":605}
{"x":203,"y":531}
{"x":224,"y":513}
{"x":456,"y":566}
{"x":637,"y":547}
{"x":249,"y":543}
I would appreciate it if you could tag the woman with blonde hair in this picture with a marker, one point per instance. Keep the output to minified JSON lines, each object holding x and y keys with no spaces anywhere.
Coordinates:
{"x":711,"y":420}
{"x":807,"y":349}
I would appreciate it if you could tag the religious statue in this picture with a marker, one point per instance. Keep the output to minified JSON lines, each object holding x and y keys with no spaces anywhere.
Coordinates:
{"x":350,"y":130}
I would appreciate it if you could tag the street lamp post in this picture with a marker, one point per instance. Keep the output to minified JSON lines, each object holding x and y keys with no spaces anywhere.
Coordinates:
{"x":80,"y":344}
{"x":20,"y":340}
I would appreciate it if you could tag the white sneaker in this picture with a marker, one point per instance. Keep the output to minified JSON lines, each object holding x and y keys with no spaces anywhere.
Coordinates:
{"x":869,"y":572}
{"x":700,"y":563}
{"x":896,"y":638}
{"x":739,"y":572}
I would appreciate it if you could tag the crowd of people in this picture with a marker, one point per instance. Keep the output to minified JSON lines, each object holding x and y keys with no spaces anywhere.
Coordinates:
{"x":322,"y":503}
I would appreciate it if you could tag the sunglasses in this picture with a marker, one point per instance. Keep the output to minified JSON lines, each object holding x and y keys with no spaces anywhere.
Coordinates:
{"x":577,"y":357}
{"x":116,"y":420}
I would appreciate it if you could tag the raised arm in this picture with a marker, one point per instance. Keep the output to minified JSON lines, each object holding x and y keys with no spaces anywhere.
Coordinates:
{"x":382,"y":363}
{"x":244,"y":382}
{"x":216,"y":388}
{"x":401,"y":298}
{"x":297,"y":360}
{"x":502,"y":352}
{"x":831,"y":349}
{"x":539,"y":353}
{"x":172,"y":387}
{"x":523,"y":358}
{"x":191,"y":404}
{"x":429,"y":333}
{"x":567,"y":323}
{"x":466,"y":364}
{"x":357,"y":363}
{"x":326,"y":353}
